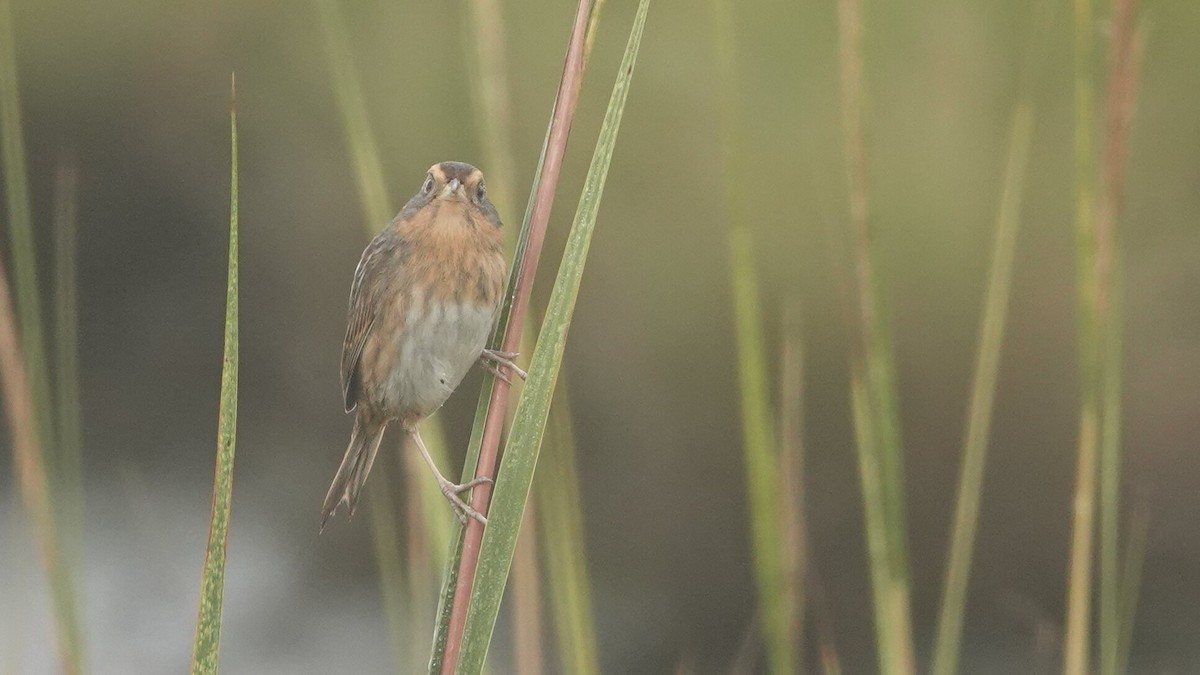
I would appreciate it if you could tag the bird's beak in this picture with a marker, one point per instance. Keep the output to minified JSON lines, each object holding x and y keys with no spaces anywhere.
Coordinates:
{"x":453,"y":188}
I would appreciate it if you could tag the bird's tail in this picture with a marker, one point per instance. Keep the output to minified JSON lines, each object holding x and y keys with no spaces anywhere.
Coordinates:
{"x":347,"y":484}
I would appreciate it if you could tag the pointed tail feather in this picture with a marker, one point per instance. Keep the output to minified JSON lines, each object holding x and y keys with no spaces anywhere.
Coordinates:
{"x":360,"y":455}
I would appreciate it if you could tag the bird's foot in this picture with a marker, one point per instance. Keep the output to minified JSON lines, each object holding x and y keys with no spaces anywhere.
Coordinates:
{"x":492,"y":359}
{"x":461,"y":508}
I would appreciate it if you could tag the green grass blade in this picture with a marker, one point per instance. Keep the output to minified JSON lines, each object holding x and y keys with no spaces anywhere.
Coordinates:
{"x":983,"y":392}
{"x":208,"y":627}
{"x":20,"y":232}
{"x":759,"y":445}
{"x":520,"y":457}
{"x":760,"y":455}
{"x":1078,"y":618}
{"x":1124,"y":65}
{"x":793,"y":540}
{"x":1131,"y":584}
{"x":348,"y":93}
{"x":873,"y":387}
{"x":947,"y":647}
{"x":874,"y":523}
{"x":556,"y":494}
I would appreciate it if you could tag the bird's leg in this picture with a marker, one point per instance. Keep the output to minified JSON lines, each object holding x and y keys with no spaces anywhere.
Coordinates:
{"x":492,"y":358}
{"x":452,"y":490}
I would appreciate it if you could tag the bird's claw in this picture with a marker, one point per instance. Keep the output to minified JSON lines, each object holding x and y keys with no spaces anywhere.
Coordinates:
{"x":461,"y":508}
{"x":493,"y":358}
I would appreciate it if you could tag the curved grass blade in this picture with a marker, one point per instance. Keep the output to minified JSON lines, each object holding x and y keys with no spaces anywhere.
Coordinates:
{"x":520,"y":457}
{"x":208,"y":627}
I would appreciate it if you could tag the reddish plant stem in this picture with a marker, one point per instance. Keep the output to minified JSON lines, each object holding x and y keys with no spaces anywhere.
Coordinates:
{"x":1121,"y":94}
{"x":560,"y":128}
{"x":31,"y":475}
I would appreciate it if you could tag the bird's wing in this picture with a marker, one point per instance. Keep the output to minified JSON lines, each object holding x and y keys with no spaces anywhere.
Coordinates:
{"x":366,"y":295}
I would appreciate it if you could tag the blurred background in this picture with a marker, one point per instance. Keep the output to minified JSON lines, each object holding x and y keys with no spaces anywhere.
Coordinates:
{"x":134,"y":94}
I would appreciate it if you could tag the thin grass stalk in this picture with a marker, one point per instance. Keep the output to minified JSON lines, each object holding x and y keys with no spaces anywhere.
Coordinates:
{"x":484,"y":37}
{"x":1075,"y":658}
{"x":760,"y":448}
{"x":874,"y":522}
{"x":873,"y":394}
{"x":1120,"y":98}
{"x":983,"y":391}
{"x":66,"y":358}
{"x":1111,"y":612}
{"x":761,"y":456}
{"x":352,"y":106}
{"x":20,"y":234}
{"x":449,"y":634}
{"x":1083,"y":525}
{"x":947,"y":647}
{"x":1131,"y":583}
{"x":793,"y":543}
{"x":556,"y":496}
{"x":31,"y":478}
{"x":876,"y":332}
{"x":521,"y":452}
{"x":206,"y":651}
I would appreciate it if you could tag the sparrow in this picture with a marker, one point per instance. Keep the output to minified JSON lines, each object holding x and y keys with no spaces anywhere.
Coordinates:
{"x":425,"y":297}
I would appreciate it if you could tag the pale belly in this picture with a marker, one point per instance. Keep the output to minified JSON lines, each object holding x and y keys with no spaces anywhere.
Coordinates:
{"x":434,"y":353}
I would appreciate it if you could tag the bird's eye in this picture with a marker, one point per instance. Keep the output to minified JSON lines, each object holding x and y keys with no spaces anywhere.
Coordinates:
{"x":428,"y":185}
{"x":481,"y":191}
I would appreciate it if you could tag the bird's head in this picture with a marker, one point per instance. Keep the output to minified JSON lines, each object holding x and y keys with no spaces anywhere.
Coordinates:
{"x":454,"y":183}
